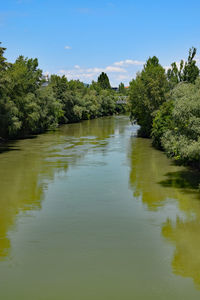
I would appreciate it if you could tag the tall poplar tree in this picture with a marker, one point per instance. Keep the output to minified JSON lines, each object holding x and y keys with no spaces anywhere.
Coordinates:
{"x":103,"y":81}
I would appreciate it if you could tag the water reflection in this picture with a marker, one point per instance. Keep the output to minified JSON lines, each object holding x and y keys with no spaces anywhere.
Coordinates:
{"x":184,"y":234}
{"x":26,"y":171}
{"x":184,"y":179}
{"x":158,"y":182}
{"x":148,"y":168}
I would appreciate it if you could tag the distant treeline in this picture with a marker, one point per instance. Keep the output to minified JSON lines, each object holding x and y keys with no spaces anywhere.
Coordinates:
{"x":166,"y":105}
{"x":29,"y":105}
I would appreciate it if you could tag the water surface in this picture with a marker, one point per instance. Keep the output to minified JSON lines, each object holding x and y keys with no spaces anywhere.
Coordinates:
{"x":90,"y":212}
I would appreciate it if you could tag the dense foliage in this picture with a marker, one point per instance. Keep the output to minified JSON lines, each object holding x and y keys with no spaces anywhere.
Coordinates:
{"x":122,"y":89}
{"x":24,"y":106}
{"x":182,"y":140}
{"x":147,"y":93}
{"x":80,"y":102}
{"x":103,"y":81}
{"x":161,"y":123}
{"x":167,"y":107}
{"x":28,"y":106}
{"x":185,"y":72}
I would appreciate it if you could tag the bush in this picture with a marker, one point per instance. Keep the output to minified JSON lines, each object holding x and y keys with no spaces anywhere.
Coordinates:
{"x":182,"y":142}
{"x":161,"y":123}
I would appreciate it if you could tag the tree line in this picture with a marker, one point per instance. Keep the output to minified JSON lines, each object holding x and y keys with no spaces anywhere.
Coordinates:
{"x":28,"y":106}
{"x":166,"y":105}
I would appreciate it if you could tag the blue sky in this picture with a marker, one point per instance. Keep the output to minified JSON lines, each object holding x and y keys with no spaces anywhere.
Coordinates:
{"x":82,"y":38}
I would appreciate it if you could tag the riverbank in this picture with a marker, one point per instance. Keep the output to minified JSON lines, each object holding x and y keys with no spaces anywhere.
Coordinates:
{"x":30,"y":104}
{"x":166,"y":105}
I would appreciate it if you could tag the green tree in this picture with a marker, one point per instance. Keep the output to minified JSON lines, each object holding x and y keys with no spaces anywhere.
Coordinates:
{"x":182,"y":141}
{"x":95,"y":86}
{"x":24,"y":81}
{"x":187,"y":71}
{"x":162,"y":122}
{"x":59,"y":86}
{"x":175,"y":74}
{"x":70,"y":94}
{"x":3,"y":63}
{"x":108,"y":103}
{"x":25,"y":76}
{"x":146,"y":94}
{"x":27,"y":106}
{"x":9,"y":121}
{"x":191,"y":71}
{"x":49,"y":110}
{"x":122,"y":89}
{"x":103,"y":81}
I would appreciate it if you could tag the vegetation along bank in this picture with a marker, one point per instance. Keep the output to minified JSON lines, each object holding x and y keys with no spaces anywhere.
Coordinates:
{"x":165,"y":102}
{"x":166,"y":105}
{"x":30,"y":105}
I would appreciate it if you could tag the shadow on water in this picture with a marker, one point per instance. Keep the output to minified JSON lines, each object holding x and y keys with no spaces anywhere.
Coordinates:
{"x":186,"y":179}
{"x":9,"y":145}
{"x":7,"y":148}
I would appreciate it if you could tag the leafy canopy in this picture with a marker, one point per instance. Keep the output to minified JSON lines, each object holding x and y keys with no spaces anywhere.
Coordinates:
{"x":147,"y":93}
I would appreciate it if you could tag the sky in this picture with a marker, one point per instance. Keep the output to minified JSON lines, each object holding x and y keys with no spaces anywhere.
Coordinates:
{"x":80,"y":39}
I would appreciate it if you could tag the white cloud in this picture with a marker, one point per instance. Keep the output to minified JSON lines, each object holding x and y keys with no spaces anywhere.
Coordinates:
{"x":95,"y":70}
{"x":114,"y":69}
{"x":119,"y":71}
{"x":68,"y":47}
{"x":85,"y":74}
{"x":108,"y":69}
{"x":129,"y":62}
{"x":122,"y":77}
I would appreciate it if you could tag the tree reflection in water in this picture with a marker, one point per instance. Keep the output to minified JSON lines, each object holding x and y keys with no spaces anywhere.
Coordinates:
{"x":27,"y":171}
{"x":157,"y":181}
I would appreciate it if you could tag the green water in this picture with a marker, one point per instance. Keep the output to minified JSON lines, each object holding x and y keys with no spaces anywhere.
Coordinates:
{"x":90,"y":212}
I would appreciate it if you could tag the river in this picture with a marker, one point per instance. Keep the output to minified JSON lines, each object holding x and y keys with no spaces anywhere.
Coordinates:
{"x":91,"y":212}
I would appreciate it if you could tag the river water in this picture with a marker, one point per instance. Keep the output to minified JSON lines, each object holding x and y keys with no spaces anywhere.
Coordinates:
{"x":91,"y":212}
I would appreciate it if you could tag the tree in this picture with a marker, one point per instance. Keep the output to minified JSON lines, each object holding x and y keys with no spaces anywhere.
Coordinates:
{"x":122,"y":89}
{"x":147,"y":93}
{"x":3,"y":68}
{"x":175,"y":74}
{"x":59,"y":86}
{"x":95,"y":86}
{"x":27,"y":107}
{"x":108,"y":103}
{"x":162,"y":122}
{"x":191,"y":71}
{"x":182,"y":141}
{"x":187,"y":71}
{"x":50,"y":110}
{"x":103,"y":81}
{"x":24,"y":80}
{"x":25,"y":76}
{"x":3,"y":63}
{"x":9,"y":121}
